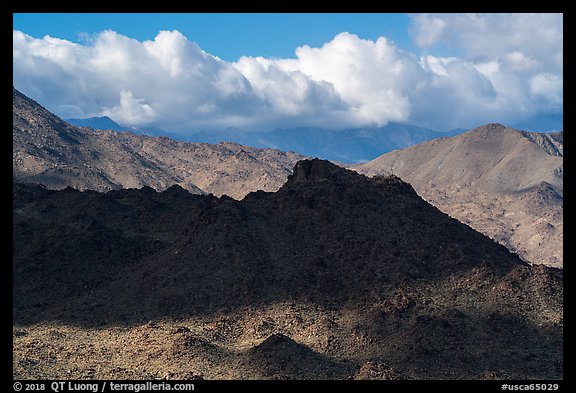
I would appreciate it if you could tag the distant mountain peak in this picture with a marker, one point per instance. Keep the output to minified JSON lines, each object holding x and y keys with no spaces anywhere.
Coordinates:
{"x":97,"y":123}
{"x":501,"y":181}
{"x":343,"y":145}
{"x":543,"y":122}
{"x":494,"y":127}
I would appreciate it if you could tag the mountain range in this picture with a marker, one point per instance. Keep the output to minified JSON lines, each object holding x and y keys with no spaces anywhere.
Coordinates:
{"x":50,"y":151}
{"x":333,"y":276}
{"x":104,"y":123}
{"x":132,"y":260}
{"x":542,"y":123}
{"x":354,"y":145}
{"x":505,"y":183}
{"x":346,"y":145}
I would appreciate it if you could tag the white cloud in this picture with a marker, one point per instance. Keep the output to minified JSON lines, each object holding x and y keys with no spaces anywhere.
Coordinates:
{"x":292,"y":95}
{"x":131,"y":110}
{"x":548,"y":86}
{"x":518,"y":61}
{"x":487,"y":36}
{"x":369,"y":75}
{"x":519,"y":54}
{"x":510,"y":68}
{"x":169,"y":81}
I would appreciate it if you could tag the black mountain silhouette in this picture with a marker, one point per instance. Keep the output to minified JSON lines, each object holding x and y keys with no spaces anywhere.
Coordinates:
{"x":362,"y":271}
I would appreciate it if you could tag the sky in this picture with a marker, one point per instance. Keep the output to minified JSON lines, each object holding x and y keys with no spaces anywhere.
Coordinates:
{"x":202,"y":72}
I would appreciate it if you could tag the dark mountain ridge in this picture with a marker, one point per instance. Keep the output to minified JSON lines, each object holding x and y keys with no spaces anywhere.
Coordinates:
{"x":362,"y":271}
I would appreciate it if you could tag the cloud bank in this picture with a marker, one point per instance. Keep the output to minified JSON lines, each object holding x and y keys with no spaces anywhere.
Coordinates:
{"x":509,"y":68}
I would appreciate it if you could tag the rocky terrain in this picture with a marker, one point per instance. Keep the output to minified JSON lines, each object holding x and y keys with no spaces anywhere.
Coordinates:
{"x":505,"y":183}
{"x":333,"y":276}
{"x":49,"y":151}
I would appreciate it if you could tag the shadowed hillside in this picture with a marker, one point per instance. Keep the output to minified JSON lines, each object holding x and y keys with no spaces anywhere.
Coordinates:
{"x":333,"y":276}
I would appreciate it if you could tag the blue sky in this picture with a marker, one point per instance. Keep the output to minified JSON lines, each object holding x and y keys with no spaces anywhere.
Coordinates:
{"x":226,"y":35}
{"x":201,"y":72}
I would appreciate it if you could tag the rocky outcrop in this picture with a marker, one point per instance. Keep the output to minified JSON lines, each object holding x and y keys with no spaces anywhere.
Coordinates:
{"x":333,"y":276}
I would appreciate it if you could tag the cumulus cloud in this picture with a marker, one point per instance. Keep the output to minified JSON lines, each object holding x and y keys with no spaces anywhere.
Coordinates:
{"x":488,"y":36}
{"x":132,"y":110}
{"x":521,"y":55}
{"x":367,"y":74}
{"x":508,"y":68}
{"x":169,"y":81}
